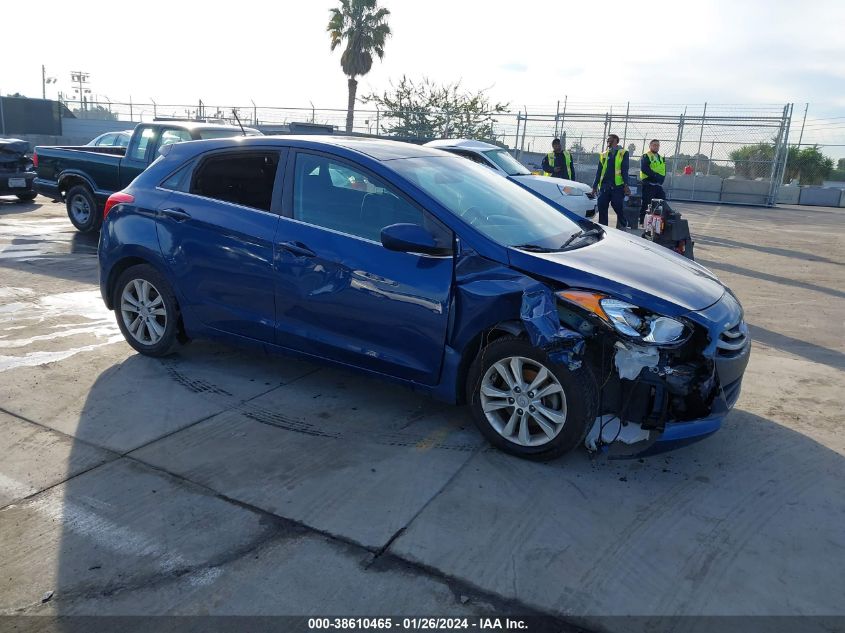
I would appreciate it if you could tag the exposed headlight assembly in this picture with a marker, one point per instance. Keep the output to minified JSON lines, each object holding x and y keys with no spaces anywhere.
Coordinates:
{"x":629,"y":320}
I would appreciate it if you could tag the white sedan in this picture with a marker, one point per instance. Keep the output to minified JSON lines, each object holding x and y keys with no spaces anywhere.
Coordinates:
{"x":573,"y":196}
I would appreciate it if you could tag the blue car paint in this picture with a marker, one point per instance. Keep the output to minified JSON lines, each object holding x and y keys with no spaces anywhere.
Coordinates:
{"x":429,"y":323}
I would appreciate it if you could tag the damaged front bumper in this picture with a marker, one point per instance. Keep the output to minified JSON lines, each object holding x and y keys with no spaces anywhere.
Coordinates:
{"x":659,"y":399}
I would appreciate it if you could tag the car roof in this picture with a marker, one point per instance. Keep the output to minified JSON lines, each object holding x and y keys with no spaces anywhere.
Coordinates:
{"x":379,"y":149}
{"x":461,"y":143}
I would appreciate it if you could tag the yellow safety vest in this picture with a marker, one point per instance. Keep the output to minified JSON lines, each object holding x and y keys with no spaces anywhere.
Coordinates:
{"x":657,"y":163}
{"x":618,"y":178}
{"x":567,"y":158}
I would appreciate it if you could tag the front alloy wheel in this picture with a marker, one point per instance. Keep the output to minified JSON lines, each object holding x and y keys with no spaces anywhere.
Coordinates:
{"x":526,"y":404}
{"x":523,"y":401}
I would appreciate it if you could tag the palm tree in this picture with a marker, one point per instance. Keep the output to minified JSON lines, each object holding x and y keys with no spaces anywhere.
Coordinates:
{"x":363,"y":27}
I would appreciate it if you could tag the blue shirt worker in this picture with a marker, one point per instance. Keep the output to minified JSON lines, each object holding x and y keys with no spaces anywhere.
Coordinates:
{"x":611,"y":181}
{"x":558,"y":163}
{"x":652,"y":175}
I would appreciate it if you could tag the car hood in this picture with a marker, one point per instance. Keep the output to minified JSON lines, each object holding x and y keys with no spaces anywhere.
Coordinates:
{"x":533,"y":180}
{"x":629,"y":268}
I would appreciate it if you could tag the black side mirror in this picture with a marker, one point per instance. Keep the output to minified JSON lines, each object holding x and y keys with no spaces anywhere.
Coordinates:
{"x":409,"y":238}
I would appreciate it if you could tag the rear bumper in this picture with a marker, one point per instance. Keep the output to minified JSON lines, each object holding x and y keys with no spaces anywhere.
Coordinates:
{"x":5,"y":187}
{"x":47,"y":188}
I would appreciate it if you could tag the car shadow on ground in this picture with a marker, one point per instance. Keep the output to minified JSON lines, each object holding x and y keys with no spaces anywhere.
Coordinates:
{"x":11,"y":206}
{"x":199,"y":475}
{"x":784,"y":281}
{"x":770,"y":250}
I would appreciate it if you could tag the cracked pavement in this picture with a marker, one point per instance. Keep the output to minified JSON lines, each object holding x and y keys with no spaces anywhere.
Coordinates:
{"x":221,"y":482}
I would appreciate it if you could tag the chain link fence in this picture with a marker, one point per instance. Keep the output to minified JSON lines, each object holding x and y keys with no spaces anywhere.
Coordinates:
{"x":714,"y":153}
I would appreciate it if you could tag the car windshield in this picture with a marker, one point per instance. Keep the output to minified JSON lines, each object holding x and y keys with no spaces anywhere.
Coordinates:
{"x":508,"y":163}
{"x":501,"y":210}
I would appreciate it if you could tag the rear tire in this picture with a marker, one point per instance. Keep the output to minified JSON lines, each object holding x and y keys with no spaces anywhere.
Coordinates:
{"x":146,"y":310}
{"x":26,"y":197}
{"x":558,"y":404}
{"x":82,"y":209}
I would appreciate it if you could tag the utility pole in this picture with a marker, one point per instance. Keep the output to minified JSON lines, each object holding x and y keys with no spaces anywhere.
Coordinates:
{"x":801,"y":135}
{"x":45,"y":80}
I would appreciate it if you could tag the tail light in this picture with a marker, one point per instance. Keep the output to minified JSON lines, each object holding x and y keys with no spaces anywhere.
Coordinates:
{"x":119,"y":197}
{"x":35,"y":159}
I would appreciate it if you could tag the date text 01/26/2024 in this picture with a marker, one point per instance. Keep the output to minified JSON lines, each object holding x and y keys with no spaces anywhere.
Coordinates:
{"x":415,"y":624}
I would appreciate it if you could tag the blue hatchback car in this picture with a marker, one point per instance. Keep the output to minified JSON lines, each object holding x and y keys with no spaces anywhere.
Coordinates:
{"x":421,"y":267}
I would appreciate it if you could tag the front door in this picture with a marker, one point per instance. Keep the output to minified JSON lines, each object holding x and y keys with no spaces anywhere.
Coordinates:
{"x":339,"y":293}
{"x":216,"y":230}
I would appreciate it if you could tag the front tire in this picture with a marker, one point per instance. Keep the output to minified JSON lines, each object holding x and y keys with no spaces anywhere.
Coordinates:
{"x":146,"y":310}
{"x":527,"y":405}
{"x":82,"y":209}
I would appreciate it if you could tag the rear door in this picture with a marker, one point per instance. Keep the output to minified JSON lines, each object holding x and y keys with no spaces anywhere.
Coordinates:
{"x":339,"y":293}
{"x":217,"y":231}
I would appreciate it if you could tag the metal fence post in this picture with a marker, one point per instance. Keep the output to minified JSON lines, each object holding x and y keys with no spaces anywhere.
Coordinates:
{"x":678,"y":141}
{"x":781,"y":156}
{"x":524,"y":128}
{"x":625,"y":133}
{"x":698,"y":152}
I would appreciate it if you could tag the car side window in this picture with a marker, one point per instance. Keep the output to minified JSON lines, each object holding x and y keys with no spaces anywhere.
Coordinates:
{"x":244,"y":178}
{"x":474,"y":158}
{"x":336,"y":196}
{"x":138,"y":149}
{"x":106,"y":140}
{"x":178,"y":180}
{"x":169,"y":136}
{"x":122,"y":140}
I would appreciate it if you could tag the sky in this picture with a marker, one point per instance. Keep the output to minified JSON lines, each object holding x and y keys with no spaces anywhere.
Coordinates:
{"x":526,"y":54}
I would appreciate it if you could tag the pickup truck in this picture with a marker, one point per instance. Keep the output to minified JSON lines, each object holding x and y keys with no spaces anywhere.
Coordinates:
{"x":85,"y":176}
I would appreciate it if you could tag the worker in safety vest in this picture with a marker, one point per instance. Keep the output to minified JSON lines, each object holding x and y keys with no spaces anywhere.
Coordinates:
{"x":558,"y":163}
{"x":611,"y":181}
{"x":652,"y":175}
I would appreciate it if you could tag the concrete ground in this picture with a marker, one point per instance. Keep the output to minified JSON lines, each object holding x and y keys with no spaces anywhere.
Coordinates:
{"x":218,"y":482}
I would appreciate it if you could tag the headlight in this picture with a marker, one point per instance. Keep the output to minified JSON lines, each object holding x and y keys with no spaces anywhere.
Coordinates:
{"x":569,"y":190}
{"x":628,"y":319}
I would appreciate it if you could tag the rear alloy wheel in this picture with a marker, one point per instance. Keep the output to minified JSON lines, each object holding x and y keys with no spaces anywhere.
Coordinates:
{"x":82,"y":209}
{"x":146,"y":310}
{"x":527,"y":405}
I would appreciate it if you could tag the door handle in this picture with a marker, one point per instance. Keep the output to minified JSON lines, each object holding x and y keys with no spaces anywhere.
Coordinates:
{"x":177,"y":214}
{"x":297,"y":248}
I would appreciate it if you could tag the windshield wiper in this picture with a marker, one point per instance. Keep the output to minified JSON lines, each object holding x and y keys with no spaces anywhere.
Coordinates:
{"x":580,"y":234}
{"x":533,"y":247}
{"x":572,"y":238}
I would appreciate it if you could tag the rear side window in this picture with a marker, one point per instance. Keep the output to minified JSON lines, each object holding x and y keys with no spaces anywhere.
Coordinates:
{"x":138,"y":151}
{"x":108,"y":139}
{"x":244,"y":178}
{"x":179,"y":179}
{"x":173,"y":136}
